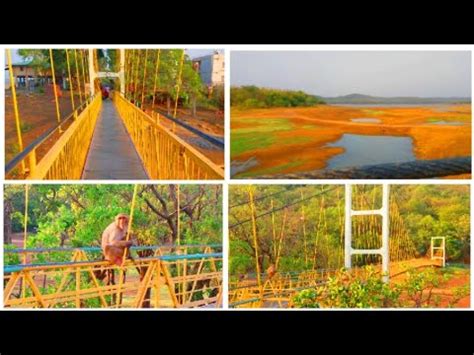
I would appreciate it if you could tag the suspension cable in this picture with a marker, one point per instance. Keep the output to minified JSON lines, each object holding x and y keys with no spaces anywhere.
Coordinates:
{"x":135,"y":84}
{"x":25,"y":234}
{"x":142,"y":102}
{"x":157,"y":68}
{"x":83,"y":73}
{"x":178,"y":87}
{"x":15,"y":107}
{"x":55,"y":89}
{"x":127,"y":238}
{"x":283,"y":207}
{"x":78,"y":77}
{"x":71,"y":88}
{"x":263,"y":197}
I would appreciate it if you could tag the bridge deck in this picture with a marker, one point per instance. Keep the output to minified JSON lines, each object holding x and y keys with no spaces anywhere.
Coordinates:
{"x":112,"y":154}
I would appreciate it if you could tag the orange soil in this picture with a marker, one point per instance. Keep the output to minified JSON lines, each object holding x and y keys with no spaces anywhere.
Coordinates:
{"x":208,"y":121}
{"x":331,"y":122}
{"x":445,"y":291}
{"x":38,"y":115}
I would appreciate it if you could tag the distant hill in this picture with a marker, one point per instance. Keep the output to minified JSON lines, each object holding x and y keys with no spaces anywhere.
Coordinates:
{"x":367,"y":99}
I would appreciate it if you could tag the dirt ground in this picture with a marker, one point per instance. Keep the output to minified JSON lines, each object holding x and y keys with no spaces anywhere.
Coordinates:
{"x":288,"y":140}
{"x":455,"y":279}
{"x":37,"y":115}
{"x":210,"y":122}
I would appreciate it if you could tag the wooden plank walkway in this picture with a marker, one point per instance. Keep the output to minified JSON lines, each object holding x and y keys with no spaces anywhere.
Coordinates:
{"x":112,"y":154}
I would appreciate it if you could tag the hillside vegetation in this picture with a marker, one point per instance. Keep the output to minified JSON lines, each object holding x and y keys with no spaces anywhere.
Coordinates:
{"x":425,"y":211}
{"x":359,"y":99}
{"x":255,"y":97}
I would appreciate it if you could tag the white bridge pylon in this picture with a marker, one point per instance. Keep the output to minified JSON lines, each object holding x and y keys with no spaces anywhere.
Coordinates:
{"x":441,"y":247}
{"x":93,"y":74}
{"x":383,"y":251}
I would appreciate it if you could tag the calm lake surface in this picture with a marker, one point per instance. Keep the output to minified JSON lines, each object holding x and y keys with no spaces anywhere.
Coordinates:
{"x":368,"y":150}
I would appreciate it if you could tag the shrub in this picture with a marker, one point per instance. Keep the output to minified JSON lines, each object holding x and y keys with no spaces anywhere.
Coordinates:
{"x":347,"y":290}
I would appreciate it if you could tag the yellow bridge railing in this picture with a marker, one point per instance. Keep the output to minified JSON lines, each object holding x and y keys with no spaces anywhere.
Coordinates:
{"x":159,"y":281}
{"x":66,"y":158}
{"x":164,"y":154}
{"x":276,"y":292}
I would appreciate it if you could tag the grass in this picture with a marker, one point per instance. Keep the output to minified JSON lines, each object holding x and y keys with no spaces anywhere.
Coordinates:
{"x":25,"y":127}
{"x":459,"y":118}
{"x":260,"y":135}
{"x":373,"y":112}
{"x":272,"y":170}
{"x":241,"y":143}
{"x":457,"y":266}
{"x":264,"y":125}
{"x":451,"y":271}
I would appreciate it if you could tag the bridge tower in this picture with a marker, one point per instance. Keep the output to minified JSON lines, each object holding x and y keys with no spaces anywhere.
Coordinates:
{"x":435,"y":245}
{"x":383,"y":251}
{"x":93,"y":74}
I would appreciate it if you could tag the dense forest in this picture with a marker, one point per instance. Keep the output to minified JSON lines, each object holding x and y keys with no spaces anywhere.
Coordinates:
{"x":76,"y":215}
{"x":308,"y":233}
{"x":255,"y":97}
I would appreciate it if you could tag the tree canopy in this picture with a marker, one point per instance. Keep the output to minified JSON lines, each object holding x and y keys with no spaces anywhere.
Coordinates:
{"x":255,"y":97}
{"x":192,"y":87}
{"x":76,"y":215}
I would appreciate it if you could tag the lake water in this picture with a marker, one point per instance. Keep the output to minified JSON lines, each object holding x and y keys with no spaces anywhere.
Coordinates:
{"x":363,"y":150}
{"x":448,"y":123}
{"x":366,"y":120}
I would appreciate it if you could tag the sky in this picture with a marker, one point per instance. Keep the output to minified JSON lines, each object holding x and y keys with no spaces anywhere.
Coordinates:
{"x":376,"y":73}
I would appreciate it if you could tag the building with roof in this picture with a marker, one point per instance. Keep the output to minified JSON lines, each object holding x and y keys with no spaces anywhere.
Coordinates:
{"x":210,"y":68}
{"x":26,"y":76}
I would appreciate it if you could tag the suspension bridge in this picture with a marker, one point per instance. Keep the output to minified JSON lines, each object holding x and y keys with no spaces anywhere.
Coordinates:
{"x":172,"y":276}
{"x":369,"y":230}
{"x":148,"y":276}
{"x":123,"y":139}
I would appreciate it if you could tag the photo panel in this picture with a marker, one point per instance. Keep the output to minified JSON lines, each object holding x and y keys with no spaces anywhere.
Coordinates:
{"x":350,"y":114}
{"x":349,"y":246}
{"x":114,"y":114}
{"x":118,"y":246}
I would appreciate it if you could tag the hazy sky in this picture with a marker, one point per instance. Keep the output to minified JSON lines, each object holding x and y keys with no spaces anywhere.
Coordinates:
{"x":378,"y":73}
